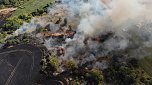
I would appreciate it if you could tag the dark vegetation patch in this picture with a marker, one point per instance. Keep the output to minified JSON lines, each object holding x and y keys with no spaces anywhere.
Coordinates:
{"x":21,"y":39}
{"x":74,"y":74}
{"x":127,"y":72}
{"x":120,"y":71}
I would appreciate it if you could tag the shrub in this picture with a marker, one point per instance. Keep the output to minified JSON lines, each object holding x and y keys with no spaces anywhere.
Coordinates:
{"x":72,"y":65}
{"x":50,"y":64}
{"x":2,"y":37}
{"x":25,"y":17}
{"x":12,"y":24}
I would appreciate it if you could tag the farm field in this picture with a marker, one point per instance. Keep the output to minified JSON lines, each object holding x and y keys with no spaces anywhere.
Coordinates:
{"x":31,"y":6}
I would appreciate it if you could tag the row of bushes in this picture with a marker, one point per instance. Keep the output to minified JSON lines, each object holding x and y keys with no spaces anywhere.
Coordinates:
{"x":13,"y":24}
{"x":21,"y":39}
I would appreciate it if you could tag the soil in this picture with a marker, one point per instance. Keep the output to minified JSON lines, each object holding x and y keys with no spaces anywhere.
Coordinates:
{"x":5,"y":13}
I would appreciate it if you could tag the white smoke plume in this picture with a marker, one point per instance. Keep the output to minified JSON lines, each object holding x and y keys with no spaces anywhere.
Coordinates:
{"x":128,"y":20}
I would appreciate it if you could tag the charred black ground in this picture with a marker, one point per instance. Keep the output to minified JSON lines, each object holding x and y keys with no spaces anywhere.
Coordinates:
{"x":20,"y":65}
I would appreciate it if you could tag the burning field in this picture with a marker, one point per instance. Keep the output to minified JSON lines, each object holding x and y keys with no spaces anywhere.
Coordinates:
{"x":88,"y":30}
{"x":94,"y":32}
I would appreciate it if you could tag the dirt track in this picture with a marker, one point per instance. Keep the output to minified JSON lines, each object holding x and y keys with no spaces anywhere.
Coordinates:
{"x":19,"y":65}
{"x":5,"y":13}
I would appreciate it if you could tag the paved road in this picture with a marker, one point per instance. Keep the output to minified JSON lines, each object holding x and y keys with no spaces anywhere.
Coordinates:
{"x":19,"y":65}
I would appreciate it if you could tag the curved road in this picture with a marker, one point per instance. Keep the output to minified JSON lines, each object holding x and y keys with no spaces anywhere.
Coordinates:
{"x":19,"y":65}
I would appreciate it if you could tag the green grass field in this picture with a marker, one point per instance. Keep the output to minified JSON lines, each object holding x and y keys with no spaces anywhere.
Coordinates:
{"x":31,"y":6}
{"x":146,"y":63}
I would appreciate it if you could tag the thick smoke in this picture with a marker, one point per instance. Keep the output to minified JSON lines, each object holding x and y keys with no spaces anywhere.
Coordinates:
{"x":129,"y":21}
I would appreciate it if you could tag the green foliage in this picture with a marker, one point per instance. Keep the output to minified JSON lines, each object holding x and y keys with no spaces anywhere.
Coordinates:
{"x":72,"y":65}
{"x":25,"y":17}
{"x":54,"y":62}
{"x":126,"y":73}
{"x":2,"y":37}
{"x":98,"y":74}
{"x":38,"y":12}
{"x":24,"y":12}
{"x":49,"y":65}
{"x":21,"y":39}
{"x":13,"y":42}
{"x":12,"y":24}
